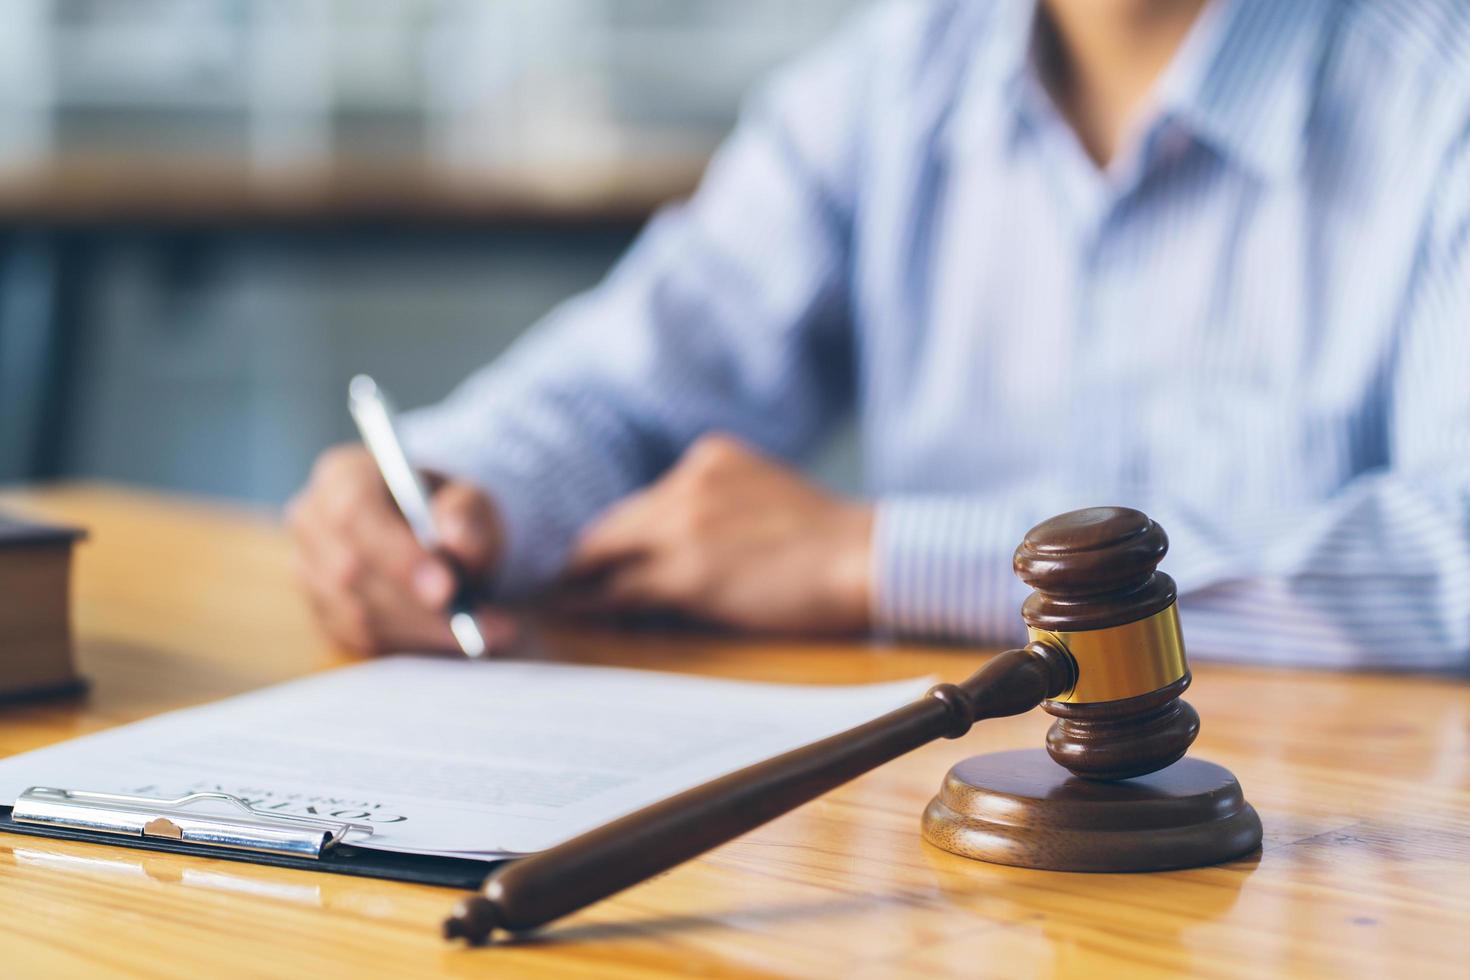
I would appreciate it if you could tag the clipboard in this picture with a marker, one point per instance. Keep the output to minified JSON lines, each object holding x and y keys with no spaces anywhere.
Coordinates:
{"x":246,"y":834}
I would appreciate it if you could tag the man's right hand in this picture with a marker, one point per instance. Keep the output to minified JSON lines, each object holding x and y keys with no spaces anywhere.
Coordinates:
{"x":374,"y":588}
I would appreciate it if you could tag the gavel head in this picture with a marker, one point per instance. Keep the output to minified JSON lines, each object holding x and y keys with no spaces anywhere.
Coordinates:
{"x":1099,"y":597}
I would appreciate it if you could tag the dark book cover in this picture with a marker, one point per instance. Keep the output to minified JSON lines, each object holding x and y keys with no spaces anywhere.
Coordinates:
{"x":35,"y":615}
{"x":15,"y":530}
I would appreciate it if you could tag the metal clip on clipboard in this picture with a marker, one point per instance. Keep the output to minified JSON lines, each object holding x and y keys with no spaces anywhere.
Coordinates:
{"x":144,"y":816}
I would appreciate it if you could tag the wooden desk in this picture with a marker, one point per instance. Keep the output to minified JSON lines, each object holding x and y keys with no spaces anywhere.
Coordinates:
{"x":167,"y":191}
{"x":1361,"y":781}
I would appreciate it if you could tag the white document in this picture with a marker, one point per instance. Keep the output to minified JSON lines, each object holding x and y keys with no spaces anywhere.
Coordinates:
{"x":458,"y":757}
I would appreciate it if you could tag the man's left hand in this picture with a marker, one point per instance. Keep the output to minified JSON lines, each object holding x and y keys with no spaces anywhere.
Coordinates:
{"x":730,"y":537}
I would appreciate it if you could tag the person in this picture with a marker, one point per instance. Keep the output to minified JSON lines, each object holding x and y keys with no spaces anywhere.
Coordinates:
{"x":1207,"y":259}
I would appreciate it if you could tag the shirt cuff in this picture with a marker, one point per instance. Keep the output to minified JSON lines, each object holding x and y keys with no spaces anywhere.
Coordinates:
{"x":942,"y":567}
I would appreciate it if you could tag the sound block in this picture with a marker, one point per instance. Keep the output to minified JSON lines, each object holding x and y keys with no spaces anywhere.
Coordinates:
{"x":1021,"y":808}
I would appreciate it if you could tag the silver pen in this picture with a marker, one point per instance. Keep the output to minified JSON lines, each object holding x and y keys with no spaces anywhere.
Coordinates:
{"x":374,"y":417}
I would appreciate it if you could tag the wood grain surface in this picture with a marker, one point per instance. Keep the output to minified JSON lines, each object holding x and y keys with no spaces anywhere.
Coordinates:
{"x":1362,"y":781}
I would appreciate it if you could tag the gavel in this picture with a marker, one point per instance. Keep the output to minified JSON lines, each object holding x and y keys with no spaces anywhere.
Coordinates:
{"x":1105,"y":657}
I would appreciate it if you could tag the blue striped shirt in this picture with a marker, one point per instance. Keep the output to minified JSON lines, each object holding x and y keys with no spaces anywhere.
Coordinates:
{"x":1254,"y":325}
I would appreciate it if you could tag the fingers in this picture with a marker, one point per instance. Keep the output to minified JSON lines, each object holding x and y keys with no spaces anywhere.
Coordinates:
{"x":372,"y":586}
{"x":357,"y":597}
{"x":731,"y":537}
{"x":626,"y":531}
{"x":635,"y":586}
{"x":352,"y":536}
{"x":501,"y":632}
{"x":469,"y":527}
{"x":669,"y":516}
{"x":341,"y":616}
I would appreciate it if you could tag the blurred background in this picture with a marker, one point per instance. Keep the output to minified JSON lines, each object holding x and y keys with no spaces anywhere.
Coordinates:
{"x":214,"y":212}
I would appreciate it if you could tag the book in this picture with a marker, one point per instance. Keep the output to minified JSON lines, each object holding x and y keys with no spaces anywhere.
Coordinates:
{"x":35,"y":609}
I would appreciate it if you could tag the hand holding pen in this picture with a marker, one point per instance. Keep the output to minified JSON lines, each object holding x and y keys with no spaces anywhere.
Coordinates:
{"x":374,"y":587}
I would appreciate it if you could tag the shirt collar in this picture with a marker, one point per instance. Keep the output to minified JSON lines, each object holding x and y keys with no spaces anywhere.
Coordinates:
{"x":1005,"y":48}
{"x":987,"y":110}
{"x":1244,"y":78}
{"x":1242,"y":82}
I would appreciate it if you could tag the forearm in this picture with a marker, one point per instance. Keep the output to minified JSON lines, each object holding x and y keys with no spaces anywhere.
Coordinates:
{"x":1376,"y":576}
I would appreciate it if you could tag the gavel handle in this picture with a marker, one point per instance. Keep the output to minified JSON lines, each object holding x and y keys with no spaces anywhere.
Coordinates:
{"x":533,"y":891}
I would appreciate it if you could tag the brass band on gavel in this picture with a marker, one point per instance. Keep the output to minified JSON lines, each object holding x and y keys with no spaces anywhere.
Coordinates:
{"x":1124,"y":661}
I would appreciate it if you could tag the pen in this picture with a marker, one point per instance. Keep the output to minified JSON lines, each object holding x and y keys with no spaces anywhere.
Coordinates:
{"x":374,"y":417}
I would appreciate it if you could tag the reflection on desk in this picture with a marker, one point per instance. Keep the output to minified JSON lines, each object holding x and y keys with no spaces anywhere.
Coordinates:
{"x":54,"y":857}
